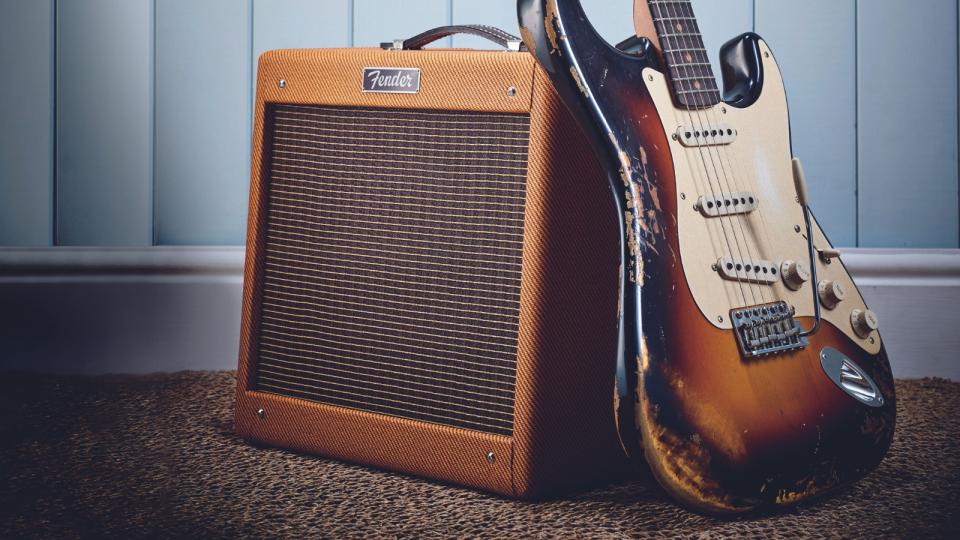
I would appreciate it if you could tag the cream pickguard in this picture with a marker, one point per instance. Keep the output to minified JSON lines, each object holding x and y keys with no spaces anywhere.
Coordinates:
{"x":753,"y":160}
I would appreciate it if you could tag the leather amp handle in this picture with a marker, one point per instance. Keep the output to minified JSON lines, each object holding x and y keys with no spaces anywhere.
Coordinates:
{"x":506,"y":40}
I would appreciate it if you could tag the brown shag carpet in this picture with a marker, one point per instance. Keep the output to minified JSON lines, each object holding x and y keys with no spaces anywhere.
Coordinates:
{"x":155,"y":456}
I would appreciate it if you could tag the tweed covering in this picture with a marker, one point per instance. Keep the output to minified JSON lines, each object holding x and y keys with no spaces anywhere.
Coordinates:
{"x":393,"y":259}
{"x":563,"y":433}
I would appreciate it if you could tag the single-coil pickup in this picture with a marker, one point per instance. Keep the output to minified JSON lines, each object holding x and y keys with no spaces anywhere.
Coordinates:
{"x":764,"y":272}
{"x":727,"y":204}
{"x":706,"y":135}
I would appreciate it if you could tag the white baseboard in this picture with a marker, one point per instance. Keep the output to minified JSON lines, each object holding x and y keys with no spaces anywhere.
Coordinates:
{"x":94,"y":310}
{"x":140,"y":310}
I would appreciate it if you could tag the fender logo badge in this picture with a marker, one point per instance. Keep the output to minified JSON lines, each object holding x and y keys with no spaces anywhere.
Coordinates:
{"x":391,"y":80}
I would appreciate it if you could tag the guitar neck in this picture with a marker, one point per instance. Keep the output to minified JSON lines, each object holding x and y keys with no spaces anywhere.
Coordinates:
{"x":694,"y":84}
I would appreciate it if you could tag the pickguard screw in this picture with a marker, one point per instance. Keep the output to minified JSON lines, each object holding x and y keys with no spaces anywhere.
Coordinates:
{"x":512,"y":91}
{"x":872,"y":341}
{"x":720,"y":318}
{"x":766,"y":54}
{"x":714,"y":268}
{"x":650,"y":78}
{"x":723,"y":110}
{"x":676,"y":137}
{"x":491,"y":457}
{"x":282,"y":83}
{"x":683,"y":196}
{"x":796,"y":228}
{"x":261,"y":413}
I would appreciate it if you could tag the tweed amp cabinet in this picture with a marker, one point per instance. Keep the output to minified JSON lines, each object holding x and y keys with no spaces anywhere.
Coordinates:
{"x":431,"y":272}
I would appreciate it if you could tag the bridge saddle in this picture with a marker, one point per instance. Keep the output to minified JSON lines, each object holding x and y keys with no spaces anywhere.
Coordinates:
{"x":767,"y":329}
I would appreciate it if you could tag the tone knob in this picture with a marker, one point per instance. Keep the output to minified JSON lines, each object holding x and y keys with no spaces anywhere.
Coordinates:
{"x":864,"y":322}
{"x":831,"y":293}
{"x":794,"y":274}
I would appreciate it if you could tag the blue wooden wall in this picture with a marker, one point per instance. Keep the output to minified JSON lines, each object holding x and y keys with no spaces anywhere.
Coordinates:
{"x":127,"y":122}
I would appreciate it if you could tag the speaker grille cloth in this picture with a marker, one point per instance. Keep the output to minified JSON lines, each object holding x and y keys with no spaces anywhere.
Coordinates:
{"x":393,"y":245}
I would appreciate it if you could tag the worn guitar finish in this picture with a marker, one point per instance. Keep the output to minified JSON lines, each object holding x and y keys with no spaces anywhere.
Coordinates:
{"x":726,"y":426}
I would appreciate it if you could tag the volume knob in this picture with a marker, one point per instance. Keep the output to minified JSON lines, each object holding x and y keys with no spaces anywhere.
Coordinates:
{"x":831,"y":293}
{"x":794,"y":274}
{"x":864,"y":322}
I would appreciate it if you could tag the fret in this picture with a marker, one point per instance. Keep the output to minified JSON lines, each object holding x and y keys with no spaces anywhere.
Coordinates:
{"x":692,"y":49}
{"x":683,"y":69}
{"x":676,"y":3}
{"x":681,"y":7}
{"x":705,"y":95}
{"x":687,"y":88}
{"x":703,"y":78}
{"x":679,"y":34}
{"x":682,"y":63}
{"x":689,"y":58}
{"x":704,"y":91}
{"x":689,"y":70}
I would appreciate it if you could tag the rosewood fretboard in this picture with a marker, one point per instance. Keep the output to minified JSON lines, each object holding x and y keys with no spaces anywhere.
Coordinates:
{"x":694,"y":84}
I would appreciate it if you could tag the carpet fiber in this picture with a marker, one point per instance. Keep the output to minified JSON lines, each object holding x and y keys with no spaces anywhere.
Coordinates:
{"x":156,"y":456}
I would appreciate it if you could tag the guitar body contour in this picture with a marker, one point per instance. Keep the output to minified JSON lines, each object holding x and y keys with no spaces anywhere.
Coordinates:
{"x":723,"y":428}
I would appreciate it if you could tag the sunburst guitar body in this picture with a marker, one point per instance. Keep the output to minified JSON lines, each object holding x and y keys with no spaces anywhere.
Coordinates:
{"x":752,"y":375}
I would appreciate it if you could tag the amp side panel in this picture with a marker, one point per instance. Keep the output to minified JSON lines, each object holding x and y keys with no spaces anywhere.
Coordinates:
{"x":565,"y":435}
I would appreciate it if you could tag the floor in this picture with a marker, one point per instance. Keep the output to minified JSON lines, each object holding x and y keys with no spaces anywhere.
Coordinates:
{"x":155,"y":456}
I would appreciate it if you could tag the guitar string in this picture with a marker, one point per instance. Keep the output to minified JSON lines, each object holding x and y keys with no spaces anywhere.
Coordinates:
{"x":711,"y":230}
{"x":706,"y":173}
{"x":728,"y":176}
{"x":723,"y":176}
{"x":735,"y":164}
{"x":681,"y":73}
{"x":764,"y":228}
{"x":737,"y":172}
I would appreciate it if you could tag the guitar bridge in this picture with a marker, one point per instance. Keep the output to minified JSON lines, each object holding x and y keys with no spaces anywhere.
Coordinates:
{"x":767,"y":329}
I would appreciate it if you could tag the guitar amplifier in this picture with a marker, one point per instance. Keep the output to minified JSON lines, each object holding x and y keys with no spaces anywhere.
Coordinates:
{"x":432,"y":268}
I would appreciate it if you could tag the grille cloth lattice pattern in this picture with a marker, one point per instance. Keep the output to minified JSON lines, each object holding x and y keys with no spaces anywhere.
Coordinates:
{"x":391,"y":277}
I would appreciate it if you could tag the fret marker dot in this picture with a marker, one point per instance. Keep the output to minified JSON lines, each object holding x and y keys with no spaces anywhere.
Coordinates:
{"x":689,"y":57}
{"x":697,"y":84}
{"x":679,"y":27}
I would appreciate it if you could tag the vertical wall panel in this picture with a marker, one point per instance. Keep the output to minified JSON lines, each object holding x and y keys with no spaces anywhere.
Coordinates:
{"x":26,"y":122}
{"x":104,"y":122}
{"x":499,"y":13}
{"x":815,"y":44}
{"x":287,"y":24}
{"x":721,"y":21}
{"x":376,"y":21}
{"x":908,"y":123}
{"x":202,"y":121}
{"x":103,"y":128}
{"x":612,"y":18}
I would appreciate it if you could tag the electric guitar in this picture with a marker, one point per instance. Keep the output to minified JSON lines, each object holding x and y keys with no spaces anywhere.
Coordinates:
{"x":752,"y":374}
